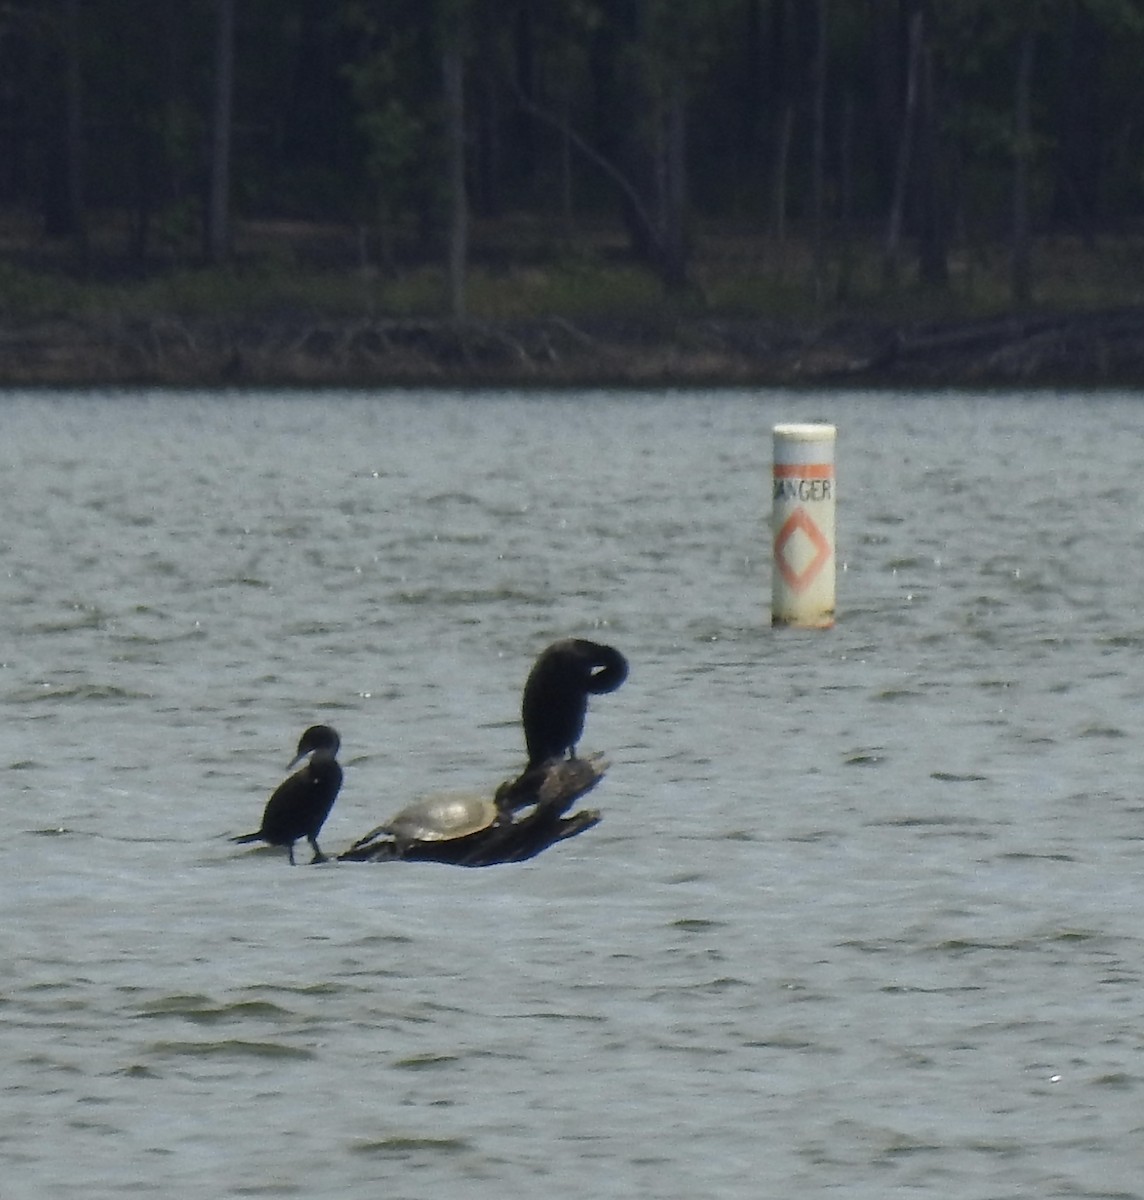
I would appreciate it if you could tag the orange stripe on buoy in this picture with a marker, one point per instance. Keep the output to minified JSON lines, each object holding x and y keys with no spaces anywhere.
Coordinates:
{"x":804,"y":470}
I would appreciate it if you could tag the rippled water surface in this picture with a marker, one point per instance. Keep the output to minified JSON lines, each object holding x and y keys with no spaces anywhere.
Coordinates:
{"x":865,"y":915}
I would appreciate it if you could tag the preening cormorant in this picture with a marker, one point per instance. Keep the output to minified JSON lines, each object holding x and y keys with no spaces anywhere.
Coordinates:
{"x":300,"y":805}
{"x":556,"y":694}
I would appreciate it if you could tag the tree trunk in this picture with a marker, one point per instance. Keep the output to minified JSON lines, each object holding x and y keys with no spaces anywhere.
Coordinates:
{"x":933,"y":262}
{"x":845,"y":197}
{"x":891,"y":259}
{"x":454,"y":79}
{"x":75,"y":163}
{"x":818,"y":165}
{"x":673,"y":222}
{"x":62,"y":132}
{"x":1078,"y":160}
{"x":567,"y":202}
{"x":777,"y":67}
{"x":782,"y":161}
{"x":1022,"y":280}
{"x":881,"y":122}
{"x":218,"y":201}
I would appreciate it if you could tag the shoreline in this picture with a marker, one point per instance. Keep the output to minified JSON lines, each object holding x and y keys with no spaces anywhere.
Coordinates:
{"x":1077,"y":350}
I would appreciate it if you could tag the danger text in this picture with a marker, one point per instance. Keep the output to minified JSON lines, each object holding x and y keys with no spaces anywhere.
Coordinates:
{"x":803,"y":489}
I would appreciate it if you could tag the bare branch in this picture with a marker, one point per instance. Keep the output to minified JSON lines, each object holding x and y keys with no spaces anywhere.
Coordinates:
{"x":595,"y":157}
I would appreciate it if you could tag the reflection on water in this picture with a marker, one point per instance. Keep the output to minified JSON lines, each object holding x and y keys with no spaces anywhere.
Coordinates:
{"x":864,"y":911}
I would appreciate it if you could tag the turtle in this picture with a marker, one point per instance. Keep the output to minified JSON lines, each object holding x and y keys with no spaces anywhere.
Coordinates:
{"x":524,"y":816}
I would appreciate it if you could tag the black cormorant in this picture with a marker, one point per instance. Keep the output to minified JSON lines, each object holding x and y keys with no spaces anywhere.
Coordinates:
{"x":556,"y":694}
{"x":300,"y":805}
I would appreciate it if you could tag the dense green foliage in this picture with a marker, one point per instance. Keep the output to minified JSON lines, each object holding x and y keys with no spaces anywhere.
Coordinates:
{"x":930,"y":129}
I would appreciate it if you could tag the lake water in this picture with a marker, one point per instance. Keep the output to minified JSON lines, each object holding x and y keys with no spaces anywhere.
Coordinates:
{"x":865,"y":914}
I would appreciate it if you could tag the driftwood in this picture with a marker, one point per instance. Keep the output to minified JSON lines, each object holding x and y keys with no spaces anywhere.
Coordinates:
{"x":1079,"y":349}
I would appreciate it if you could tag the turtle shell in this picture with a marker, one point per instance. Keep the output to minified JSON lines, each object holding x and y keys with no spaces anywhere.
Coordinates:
{"x":442,"y":818}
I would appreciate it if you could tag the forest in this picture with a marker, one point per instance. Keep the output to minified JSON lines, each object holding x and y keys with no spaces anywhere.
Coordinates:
{"x":503,"y":160}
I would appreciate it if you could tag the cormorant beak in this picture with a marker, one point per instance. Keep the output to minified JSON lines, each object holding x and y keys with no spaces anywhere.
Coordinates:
{"x":301,"y":758}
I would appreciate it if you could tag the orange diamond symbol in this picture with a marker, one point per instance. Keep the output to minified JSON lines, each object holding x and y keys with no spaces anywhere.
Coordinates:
{"x":788,"y":545}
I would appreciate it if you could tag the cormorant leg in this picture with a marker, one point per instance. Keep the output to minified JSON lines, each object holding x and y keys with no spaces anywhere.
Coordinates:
{"x":290,"y":851}
{"x":319,"y":857}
